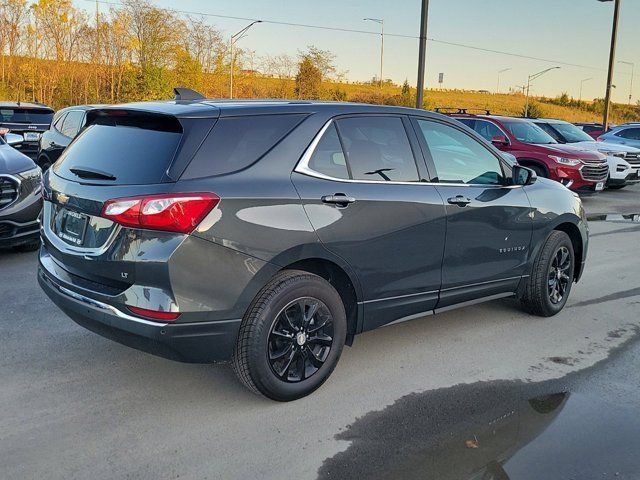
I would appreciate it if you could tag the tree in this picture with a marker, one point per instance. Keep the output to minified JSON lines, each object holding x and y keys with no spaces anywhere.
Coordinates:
{"x":321,"y":59}
{"x":308,"y":80}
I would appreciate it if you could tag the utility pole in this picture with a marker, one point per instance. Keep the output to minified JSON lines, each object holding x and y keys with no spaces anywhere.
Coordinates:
{"x":379,"y":21}
{"x":234,"y":38}
{"x":612,"y":57}
{"x":530,"y":78}
{"x":422,"y":55}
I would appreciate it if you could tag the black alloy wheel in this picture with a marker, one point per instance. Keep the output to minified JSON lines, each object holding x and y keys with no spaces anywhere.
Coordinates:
{"x":559,"y":279}
{"x":300,"y":339}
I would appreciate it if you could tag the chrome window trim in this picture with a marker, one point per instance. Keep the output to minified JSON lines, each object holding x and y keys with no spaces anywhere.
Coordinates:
{"x":303,"y":168}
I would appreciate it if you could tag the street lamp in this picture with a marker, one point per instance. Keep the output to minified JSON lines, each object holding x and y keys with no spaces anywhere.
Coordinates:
{"x":499,"y":72}
{"x":612,"y":56}
{"x":379,"y":21}
{"x":234,"y":39}
{"x":530,"y":78}
{"x":631,"y":85}
{"x":581,"y":84}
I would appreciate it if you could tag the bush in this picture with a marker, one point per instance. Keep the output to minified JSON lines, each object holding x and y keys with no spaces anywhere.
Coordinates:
{"x":535,"y":110}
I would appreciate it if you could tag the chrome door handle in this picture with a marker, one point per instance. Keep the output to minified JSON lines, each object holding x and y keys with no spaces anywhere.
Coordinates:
{"x":459,"y":200}
{"x":339,"y":199}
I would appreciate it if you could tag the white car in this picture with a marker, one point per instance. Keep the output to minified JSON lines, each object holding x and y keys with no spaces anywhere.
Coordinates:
{"x":623,"y":160}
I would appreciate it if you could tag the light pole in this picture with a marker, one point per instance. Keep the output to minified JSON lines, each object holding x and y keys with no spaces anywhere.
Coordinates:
{"x":530,"y":78}
{"x":232,"y":42}
{"x":631,"y":85}
{"x":422,"y":53}
{"x":379,"y":21}
{"x":581,"y":84}
{"x":612,"y":57}
{"x":499,"y":72}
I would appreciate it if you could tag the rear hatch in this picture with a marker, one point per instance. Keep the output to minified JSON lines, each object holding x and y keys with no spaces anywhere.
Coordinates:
{"x":29,"y":122}
{"x":121,"y":153}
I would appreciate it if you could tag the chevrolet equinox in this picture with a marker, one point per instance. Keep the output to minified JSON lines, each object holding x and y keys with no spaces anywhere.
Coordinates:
{"x":270,"y":233}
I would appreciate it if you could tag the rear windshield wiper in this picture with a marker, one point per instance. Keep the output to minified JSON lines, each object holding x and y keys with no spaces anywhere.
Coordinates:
{"x":84,"y":172}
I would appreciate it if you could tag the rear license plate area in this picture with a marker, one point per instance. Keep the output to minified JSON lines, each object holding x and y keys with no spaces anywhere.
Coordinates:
{"x":71,"y":226}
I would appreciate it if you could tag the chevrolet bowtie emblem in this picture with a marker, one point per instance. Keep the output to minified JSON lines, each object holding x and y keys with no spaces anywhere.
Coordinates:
{"x":62,"y":198}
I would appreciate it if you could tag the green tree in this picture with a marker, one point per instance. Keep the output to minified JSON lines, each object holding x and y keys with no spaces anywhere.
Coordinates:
{"x":308,"y":80}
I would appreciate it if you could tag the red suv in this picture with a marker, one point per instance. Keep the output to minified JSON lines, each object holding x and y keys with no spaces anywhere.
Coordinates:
{"x":580,"y":170}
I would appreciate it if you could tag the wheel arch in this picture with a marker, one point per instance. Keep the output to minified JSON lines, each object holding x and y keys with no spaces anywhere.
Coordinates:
{"x":528,"y":161}
{"x":572,"y":230}
{"x":341,"y":281}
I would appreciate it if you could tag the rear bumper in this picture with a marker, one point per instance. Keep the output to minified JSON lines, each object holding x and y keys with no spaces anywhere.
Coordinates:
{"x":199,"y":342}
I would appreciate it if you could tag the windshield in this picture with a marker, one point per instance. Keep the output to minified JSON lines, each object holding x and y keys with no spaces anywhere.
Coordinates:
{"x":26,"y":115}
{"x":571,"y":133}
{"x":528,"y":132}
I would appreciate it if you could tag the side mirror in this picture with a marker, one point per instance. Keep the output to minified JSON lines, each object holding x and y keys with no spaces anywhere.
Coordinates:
{"x":523,"y":175}
{"x":13,"y":139}
{"x":500,"y":140}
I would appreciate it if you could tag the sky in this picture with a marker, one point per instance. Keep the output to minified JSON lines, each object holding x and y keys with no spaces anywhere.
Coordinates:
{"x":563,"y":32}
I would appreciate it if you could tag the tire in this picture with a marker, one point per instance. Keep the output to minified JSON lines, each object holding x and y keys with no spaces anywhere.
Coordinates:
{"x":538,"y":296}
{"x":31,"y":246}
{"x":270,"y":327}
{"x":540,"y":172}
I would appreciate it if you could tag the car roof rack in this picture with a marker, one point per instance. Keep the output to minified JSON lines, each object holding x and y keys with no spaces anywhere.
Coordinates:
{"x":186,"y":94}
{"x":461,"y":111}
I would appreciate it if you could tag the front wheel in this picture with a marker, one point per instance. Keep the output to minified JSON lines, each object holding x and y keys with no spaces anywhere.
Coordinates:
{"x":547,"y":289}
{"x":291,"y":337}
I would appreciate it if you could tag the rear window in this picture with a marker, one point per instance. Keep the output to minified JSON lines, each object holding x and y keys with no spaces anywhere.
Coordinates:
{"x":26,"y":115}
{"x":238,"y":142}
{"x":131,"y":149}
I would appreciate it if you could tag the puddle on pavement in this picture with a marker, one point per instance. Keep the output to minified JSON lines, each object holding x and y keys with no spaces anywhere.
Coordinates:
{"x":615,"y":217}
{"x":491,"y":431}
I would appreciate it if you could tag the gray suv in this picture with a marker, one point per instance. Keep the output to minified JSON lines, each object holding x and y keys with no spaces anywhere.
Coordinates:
{"x":270,"y":233}
{"x":627,"y":134}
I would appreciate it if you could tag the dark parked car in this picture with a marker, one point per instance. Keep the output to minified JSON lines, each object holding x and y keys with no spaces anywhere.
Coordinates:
{"x":20,"y":200}
{"x":28,"y":120}
{"x":272,"y":232}
{"x":66,"y":124}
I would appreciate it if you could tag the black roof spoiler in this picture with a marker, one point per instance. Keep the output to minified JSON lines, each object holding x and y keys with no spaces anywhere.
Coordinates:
{"x":186,"y":94}
{"x":461,"y":111}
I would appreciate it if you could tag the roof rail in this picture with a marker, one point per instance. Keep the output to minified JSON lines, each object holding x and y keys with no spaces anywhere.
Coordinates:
{"x":186,"y":94}
{"x":461,"y":111}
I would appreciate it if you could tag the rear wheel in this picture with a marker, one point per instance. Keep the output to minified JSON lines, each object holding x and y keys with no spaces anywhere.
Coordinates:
{"x":547,"y":289}
{"x":291,"y":337}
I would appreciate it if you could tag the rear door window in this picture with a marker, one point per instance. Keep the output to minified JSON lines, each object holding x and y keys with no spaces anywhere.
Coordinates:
{"x":238,"y":142}
{"x":72,"y":123}
{"x":328,"y":157}
{"x":377,"y":148}
{"x":132,"y":148}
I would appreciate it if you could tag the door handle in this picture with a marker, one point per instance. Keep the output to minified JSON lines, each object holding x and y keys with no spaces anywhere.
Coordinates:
{"x":339,"y":199}
{"x":459,"y":200}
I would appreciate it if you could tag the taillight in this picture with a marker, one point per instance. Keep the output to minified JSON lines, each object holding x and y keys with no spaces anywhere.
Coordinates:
{"x":153,"y":314}
{"x":173,"y":212}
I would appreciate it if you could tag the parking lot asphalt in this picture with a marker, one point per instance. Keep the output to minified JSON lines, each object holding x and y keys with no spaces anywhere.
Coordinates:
{"x":482,"y":389}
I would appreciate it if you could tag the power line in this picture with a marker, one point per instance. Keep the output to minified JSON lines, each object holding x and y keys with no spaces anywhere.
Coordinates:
{"x":368,"y":32}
